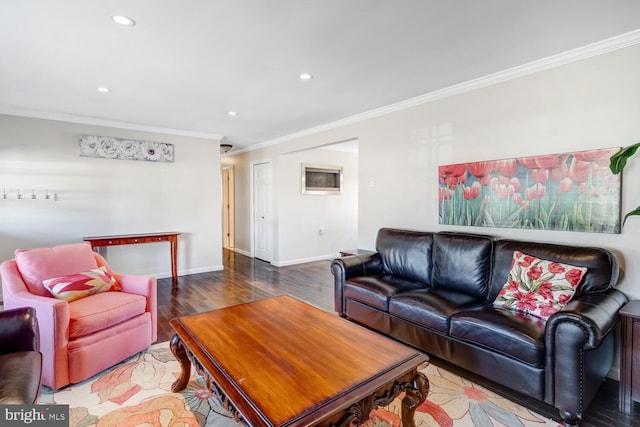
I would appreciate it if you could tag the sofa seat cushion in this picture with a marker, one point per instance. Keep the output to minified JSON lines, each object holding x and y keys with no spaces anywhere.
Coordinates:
{"x":21,"y":373}
{"x":376,"y":290}
{"x":431,"y":307}
{"x":512,"y":333}
{"x":100,"y":311}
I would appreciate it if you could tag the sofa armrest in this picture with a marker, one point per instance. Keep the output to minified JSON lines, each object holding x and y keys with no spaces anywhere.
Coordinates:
{"x":579,"y":341}
{"x":352,"y":266}
{"x":593,"y":315}
{"x":148,"y":288}
{"x":139,"y":285}
{"x":19,"y":330}
{"x":52,"y":313}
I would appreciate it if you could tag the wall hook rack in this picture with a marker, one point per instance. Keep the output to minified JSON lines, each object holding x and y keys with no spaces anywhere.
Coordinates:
{"x":21,"y":194}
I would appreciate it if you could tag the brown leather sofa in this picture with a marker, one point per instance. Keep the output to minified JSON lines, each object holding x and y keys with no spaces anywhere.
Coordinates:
{"x":20,"y":358}
{"x":435,"y":291}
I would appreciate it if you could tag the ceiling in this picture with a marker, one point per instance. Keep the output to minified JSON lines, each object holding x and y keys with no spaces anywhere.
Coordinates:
{"x":186,"y":63}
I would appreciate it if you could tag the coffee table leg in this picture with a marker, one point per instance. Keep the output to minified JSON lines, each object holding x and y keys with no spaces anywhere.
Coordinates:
{"x":414,"y":396}
{"x":180,"y":353}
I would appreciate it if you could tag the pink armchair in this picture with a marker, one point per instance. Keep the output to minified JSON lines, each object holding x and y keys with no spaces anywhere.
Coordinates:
{"x":81,"y":338}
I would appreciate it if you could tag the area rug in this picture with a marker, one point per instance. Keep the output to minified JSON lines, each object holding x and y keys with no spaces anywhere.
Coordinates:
{"x":137,"y":392}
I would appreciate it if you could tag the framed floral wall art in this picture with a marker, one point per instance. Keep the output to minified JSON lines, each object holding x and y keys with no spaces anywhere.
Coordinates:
{"x":570,"y":192}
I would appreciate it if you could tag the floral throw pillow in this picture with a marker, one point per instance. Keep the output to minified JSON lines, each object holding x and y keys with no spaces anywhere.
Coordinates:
{"x":80,"y":285}
{"x":537,"y":286}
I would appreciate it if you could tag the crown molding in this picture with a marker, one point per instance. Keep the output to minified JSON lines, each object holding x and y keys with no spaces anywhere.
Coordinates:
{"x":106,"y":123}
{"x":574,"y":55}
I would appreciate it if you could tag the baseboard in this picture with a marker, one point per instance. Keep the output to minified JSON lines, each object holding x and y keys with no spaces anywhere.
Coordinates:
{"x":241,"y":252}
{"x":303,"y":260}
{"x":290,"y":262}
{"x":208,"y":269}
{"x":201,"y":270}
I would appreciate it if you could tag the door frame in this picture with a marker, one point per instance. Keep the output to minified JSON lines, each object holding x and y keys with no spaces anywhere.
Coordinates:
{"x":228,"y":207}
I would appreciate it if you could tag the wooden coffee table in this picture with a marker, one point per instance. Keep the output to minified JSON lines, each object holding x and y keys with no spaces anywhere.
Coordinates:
{"x":282,"y":362}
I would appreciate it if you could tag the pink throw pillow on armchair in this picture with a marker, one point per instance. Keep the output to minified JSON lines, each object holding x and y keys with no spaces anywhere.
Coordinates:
{"x":37,"y":265}
{"x":80,"y":285}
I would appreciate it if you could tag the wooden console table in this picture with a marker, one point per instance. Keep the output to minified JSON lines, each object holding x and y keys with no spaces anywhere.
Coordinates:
{"x":133,"y":239}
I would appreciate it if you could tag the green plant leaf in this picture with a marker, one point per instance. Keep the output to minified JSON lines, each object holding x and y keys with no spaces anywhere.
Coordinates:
{"x":619,"y":160}
{"x":636,"y":211}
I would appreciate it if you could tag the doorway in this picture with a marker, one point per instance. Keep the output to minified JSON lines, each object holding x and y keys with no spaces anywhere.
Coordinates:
{"x":228,"y":207}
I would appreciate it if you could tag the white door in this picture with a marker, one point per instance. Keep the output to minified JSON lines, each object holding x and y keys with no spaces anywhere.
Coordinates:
{"x":263,"y":211}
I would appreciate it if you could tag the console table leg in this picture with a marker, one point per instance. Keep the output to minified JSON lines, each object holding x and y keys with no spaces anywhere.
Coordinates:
{"x":174,"y":264}
{"x":180,"y":353}
{"x":414,"y":397}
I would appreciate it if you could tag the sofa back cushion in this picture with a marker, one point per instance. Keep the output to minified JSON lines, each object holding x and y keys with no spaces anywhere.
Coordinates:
{"x":462,"y":262}
{"x":37,"y":265}
{"x":406,"y":253}
{"x":601,"y":264}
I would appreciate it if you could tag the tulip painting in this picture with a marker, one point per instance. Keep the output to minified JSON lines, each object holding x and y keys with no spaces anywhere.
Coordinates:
{"x":570,"y":192}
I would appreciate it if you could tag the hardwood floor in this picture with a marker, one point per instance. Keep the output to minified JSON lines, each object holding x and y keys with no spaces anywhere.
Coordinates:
{"x":245,"y":279}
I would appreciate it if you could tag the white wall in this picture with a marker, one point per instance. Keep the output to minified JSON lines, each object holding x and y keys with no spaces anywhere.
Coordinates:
{"x":301,"y":216}
{"x":103,"y":196}
{"x":589,"y":104}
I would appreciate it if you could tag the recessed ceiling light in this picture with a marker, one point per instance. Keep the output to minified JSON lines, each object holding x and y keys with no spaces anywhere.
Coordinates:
{"x":232,"y":113}
{"x":305,"y":76}
{"x":103,"y":89}
{"x":123,"y":20}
